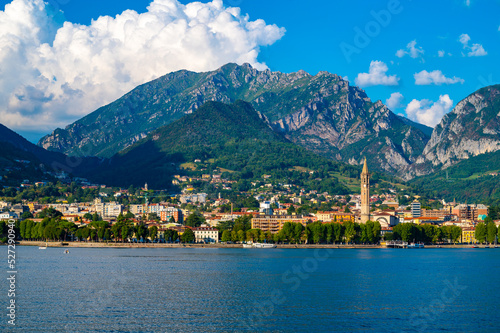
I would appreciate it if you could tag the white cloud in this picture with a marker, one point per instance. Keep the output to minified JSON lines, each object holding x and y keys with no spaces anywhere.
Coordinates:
{"x":476,"y":50}
{"x":394,"y":101}
{"x":464,"y":39}
{"x":435,"y":77}
{"x":441,"y":53}
{"x":411,"y":50}
{"x":53,"y":74}
{"x":376,"y":76}
{"x":428,"y":112}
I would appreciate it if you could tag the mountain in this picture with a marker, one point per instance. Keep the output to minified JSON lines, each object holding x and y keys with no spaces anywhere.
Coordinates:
{"x":322,"y":113}
{"x":476,"y":179}
{"x":234,"y":139}
{"x":20,"y":159}
{"x":470,"y":129}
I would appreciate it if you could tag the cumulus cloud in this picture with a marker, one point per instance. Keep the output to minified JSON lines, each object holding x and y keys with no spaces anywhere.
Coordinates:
{"x":53,"y":73}
{"x":428,"y":112}
{"x":435,"y":77}
{"x":441,"y":53}
{"x":394,"y":101}
{"x":411,"y":50}
{"x":376,"y":76}
{"x":476,"y":50}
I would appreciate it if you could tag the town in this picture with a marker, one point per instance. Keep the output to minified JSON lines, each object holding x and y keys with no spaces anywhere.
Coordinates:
{"x":147,"y":216}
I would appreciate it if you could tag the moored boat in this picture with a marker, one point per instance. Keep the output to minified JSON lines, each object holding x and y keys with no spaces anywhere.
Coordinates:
{"x":264,"y":245}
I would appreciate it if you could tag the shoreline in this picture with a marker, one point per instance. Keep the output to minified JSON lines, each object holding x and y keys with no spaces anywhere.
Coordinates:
{"x":222,"y":246}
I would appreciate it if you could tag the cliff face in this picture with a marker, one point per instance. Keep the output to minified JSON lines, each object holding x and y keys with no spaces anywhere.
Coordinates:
{"x":470,"y":129}
{"x":322,"y":113}
{"x":342,"y":123}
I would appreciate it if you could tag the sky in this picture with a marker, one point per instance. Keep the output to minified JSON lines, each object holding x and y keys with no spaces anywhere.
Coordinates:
{"x":62,"y":59}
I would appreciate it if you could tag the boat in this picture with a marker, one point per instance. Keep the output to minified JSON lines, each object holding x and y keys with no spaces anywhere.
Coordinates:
{"x":247,"y":246}
{"x":474,"y":246}
{"x":415,"y":246}
{"x":264,"y":245}
{"x":66,"y":251}
{"x":43,"y":247}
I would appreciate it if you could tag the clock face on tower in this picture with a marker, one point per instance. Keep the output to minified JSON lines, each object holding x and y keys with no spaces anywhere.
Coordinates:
{"x":364,"y":185}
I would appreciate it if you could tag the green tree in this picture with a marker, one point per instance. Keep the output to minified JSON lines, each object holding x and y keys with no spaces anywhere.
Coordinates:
{"x":241,"y":236}
{"x":338,"y":232}
{"x":253,"y":234}
{"x":317,"y":232}
{"x":50,"y":213}
{"x":26,"y":215}
{"x":188,"y":236}
{"x":153,"y":232}
{"x":107,"y":234}
{"x":226,"y":236}
{"x":85,"y":232}
{"x":349,"y":231}
{"x":22,"y":228}
{"x":140,"y":232}
{"x":129,"y":215}
{"x":298,"y":230}
{"x":491,"y":232}
{"x":125,"y":229}
{"x":194,"y":220}
{"x":456,"y":233}
{"x":288,"y":231}
{"x":481,"y":232}
{"x":243,"y":223}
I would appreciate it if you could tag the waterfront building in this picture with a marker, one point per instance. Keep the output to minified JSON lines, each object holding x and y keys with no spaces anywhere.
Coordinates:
{"x":274,"y":223}
{"x":169,"y":212}
{"x":365,"y":194}
{"x":206,"y":234}
{"x":468,"y":235}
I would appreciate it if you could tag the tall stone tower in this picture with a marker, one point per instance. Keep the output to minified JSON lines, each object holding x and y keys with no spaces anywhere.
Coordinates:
{"x":365,"y":194}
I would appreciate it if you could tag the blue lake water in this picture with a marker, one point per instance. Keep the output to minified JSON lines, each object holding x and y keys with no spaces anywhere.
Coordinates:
{"x":256,"y":290}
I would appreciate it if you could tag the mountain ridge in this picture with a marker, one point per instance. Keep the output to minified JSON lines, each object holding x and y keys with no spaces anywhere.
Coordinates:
{"x":322,"y":113}
{"x":231,"y":137}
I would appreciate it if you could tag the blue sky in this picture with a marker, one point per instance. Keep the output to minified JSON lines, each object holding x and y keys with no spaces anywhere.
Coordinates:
{"x":426,"y":55}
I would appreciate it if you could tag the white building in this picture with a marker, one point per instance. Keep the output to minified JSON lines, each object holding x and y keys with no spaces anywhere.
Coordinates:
{"x":105,"y":209}
{"x":205,"y":234}
{"x":193,"y":198}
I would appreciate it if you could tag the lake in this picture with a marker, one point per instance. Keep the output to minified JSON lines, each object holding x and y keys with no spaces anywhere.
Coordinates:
{"x":256,"y":290}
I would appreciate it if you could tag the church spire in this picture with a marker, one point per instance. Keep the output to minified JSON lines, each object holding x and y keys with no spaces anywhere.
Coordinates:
{"x":365,"y":194}
{"x":365,"y":168}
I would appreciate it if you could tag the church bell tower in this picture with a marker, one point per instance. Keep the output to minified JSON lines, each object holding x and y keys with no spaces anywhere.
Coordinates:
{"x":365,"y":194}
